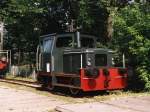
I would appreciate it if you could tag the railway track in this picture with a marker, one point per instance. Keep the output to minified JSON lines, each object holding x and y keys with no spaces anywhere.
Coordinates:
{"x":21,"y":82}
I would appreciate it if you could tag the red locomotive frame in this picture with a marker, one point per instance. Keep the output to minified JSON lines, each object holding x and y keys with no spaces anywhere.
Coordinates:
{"x":111,"y":81}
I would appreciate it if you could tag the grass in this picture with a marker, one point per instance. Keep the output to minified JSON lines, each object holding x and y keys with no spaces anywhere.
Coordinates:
{"x":52,"y":111}
{"x":9,"y":76}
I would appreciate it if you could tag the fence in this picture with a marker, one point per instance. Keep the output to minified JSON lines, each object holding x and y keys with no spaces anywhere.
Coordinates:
{"x":23,"y":71}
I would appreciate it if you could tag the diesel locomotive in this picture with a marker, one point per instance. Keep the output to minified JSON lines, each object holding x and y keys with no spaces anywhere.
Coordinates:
{"x":72,"y":60}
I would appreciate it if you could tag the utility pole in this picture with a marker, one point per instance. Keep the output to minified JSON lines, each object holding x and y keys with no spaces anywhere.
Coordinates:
{"x":1,"y":35}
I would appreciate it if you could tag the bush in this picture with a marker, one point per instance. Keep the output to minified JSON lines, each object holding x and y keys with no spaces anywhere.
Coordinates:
{"x":144,"y":75}
{"x":131,"y":37}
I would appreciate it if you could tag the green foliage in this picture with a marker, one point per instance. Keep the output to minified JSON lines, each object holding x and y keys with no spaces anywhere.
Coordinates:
{"x":20,"y":17}
{"x":84,"y":16}
{"x":47,"y":16}
{"x":132,"y":26}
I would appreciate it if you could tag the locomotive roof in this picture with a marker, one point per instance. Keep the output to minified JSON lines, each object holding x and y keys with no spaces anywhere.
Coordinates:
{"x":69,"y":33}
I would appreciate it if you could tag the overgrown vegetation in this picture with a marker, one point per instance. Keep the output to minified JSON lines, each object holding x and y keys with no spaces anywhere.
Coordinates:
{"x":131,"y":36}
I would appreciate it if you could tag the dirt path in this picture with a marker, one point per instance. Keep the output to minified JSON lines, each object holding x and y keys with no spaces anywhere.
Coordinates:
{"x":25,"y":100}
{"x":13,"y":100}
{"x":128,"y":104}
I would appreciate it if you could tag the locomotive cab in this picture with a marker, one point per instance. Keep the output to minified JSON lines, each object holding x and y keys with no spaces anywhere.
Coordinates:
{"x":72,"y":60}
{"x":52,"y":48}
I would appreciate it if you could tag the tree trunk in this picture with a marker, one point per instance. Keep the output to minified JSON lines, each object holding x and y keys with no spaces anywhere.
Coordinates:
{"x":1,"y":34}
{"x":109,"y":27}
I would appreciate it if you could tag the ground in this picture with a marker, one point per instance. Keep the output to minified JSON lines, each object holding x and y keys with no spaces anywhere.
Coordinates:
{"x":13,"y":100}
{"x":128,"y":104}
{"x":24,"y":99}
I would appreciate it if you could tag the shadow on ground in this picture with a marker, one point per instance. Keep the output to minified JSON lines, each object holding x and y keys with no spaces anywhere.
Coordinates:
{"x":65,"y":92}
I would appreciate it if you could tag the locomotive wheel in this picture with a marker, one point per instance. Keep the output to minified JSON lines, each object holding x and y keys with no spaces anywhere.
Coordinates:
{"x":47,"y":84}
{"x":43,"y":86}
{"x":50,"y":86}
{"x":74,"y":91}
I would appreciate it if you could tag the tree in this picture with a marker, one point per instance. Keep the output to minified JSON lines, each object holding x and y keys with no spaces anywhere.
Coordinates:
{"x":131,"y":36}
{"x":26,"y":20}
{"x":98,"y":14}
{"x":20,"y":19}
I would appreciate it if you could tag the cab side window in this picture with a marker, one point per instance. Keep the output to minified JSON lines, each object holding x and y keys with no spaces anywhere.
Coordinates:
{"x":87,"y":42}
{"x":47,"y":45}
{"x":64,"y":42}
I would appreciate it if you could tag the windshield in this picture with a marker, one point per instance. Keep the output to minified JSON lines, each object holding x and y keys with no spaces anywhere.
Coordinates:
{"x":101,"y":60}
{"x":47,"y":45}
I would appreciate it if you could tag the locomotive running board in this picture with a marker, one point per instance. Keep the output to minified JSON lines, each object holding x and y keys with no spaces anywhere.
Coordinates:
{"x":65,"y":75}
{"x":65,"y":85}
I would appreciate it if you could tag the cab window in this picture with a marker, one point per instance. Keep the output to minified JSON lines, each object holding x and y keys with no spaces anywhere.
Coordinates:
{"x":64,"y":42}
{"x":87,"y":42}
{"x":47,"y":45}
{"x":100,"y":60}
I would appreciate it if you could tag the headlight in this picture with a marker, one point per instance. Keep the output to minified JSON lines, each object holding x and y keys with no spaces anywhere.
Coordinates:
{"x":113,"y":61}
{"x":89,"y":63}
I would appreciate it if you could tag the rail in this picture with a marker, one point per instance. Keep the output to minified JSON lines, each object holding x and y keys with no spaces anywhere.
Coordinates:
{"x":21,"y":82}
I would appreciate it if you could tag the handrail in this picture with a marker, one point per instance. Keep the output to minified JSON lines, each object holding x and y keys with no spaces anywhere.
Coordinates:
{"x":37,"y":57}
{"x":40,"y":55}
